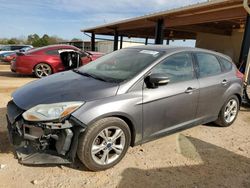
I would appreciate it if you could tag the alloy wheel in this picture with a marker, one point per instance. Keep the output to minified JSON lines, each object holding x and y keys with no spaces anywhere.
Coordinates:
{"x":43,"y":70}
{"x":108,"y":145}
{"x":231,"y":110}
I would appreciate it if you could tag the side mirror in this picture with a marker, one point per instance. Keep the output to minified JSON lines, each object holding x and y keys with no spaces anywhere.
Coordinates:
{"x":155,"y":80}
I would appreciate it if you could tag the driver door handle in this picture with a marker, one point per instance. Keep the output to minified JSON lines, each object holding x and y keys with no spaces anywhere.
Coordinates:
{"x":189,"y":90}
{"x":224,"y":82}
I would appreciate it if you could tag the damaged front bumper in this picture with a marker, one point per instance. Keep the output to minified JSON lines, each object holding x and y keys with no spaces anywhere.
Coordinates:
{"x":43,"y":142}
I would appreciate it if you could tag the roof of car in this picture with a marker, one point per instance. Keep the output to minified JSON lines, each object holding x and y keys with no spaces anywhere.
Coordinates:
{"x":171,"y":49}
{"x":26,"y":45}
{"x":50,"y":47}
{"x":58,"y":46}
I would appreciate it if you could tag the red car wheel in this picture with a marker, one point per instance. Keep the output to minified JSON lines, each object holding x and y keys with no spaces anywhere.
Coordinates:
{"x":42,"y":70}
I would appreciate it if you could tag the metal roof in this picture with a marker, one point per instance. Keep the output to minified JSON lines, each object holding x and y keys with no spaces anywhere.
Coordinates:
{"x":206,"y":7}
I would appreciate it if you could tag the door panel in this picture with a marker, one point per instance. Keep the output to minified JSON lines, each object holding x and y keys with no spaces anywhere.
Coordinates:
{"x":172,"y":105}
{"x":213,"y":84}
{"x":168,"y":106}
{"x":212,"y":91}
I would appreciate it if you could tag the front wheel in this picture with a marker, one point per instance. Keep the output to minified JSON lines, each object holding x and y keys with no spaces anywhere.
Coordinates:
{"x":104,"y":143}
{"x":42,"y":70}
{"x":229,"y":112}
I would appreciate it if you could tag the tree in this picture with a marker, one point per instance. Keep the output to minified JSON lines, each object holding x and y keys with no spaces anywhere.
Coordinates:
{"x":76,"y":39}
{"x":11,"y":41}
{"x":34,"y":40}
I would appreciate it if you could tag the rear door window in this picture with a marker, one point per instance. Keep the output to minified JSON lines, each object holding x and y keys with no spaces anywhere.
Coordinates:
{"x":208,"y":64}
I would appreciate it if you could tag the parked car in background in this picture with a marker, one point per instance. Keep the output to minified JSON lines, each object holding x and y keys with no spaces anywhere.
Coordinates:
{"x":3,"y":52}
{"x":122,"y":99}
{"x":51,"y":59}
{"x":25,"y":49}
{"x":15,"y":48}
{"x":7,"y":56}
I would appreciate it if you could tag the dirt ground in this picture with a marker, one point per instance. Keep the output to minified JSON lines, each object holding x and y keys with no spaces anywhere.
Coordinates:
{"x":204,"y":156}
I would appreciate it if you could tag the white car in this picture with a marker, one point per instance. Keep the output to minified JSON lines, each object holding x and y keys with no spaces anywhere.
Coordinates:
{"x":15,"y":48}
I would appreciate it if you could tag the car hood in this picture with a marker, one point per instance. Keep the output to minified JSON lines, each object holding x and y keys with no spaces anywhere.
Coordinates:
{"x":62,"y":87}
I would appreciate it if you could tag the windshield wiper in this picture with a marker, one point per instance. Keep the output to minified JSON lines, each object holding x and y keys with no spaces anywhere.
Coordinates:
{"x":89,"y":75}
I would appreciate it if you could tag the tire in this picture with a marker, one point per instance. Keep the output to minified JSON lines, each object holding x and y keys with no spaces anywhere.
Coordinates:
{"x":225,"y":120}
{"x":100,"y":152}
{"x":42,"y":70}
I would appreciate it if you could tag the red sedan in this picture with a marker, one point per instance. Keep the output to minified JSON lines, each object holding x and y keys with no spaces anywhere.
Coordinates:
{"x":51,"y":59}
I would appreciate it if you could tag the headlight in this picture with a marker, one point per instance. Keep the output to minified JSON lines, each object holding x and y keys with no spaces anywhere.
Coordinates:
{"x":48,"y":112}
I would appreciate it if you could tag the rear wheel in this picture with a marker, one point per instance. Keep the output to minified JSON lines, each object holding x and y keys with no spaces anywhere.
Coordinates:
{"x":229,"y":112}
{"x":104,"y":143}
{"x":42,"y":70}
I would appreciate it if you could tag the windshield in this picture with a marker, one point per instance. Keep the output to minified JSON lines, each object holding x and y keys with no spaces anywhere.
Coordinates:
{"x":121,"y":65}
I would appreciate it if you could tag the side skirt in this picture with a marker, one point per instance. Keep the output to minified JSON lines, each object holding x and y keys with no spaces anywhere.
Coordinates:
{"x":175,"y":129}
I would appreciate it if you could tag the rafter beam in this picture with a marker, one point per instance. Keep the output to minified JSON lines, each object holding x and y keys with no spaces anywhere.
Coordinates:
{"x":202,"y":29}
{"x":136,"y":25}
{"x":199,"y":18}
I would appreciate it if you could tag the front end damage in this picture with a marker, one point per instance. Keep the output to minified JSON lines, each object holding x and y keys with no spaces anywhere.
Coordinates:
{"x":43,"y":142}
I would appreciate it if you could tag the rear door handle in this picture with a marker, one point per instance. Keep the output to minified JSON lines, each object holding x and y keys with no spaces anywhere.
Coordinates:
{"x":224,"y":82}
{"x":189,"y":90}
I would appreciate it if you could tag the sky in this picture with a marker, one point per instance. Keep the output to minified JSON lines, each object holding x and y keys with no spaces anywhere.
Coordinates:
{"x":65,"y":18}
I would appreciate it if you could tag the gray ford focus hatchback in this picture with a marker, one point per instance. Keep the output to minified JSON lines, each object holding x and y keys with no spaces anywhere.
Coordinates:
{"x":123,"y":99}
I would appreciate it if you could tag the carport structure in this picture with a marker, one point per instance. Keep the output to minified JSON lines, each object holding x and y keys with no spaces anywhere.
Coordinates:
{"x":218,"y":25}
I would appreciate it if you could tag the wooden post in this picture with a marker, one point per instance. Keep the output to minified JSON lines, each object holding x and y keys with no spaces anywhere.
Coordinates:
{"x":116,"y":36}
{"x":92,"y":41}
{"x":121,"y":41}
{"x":246,"y":40}
{"x":159,"y":34}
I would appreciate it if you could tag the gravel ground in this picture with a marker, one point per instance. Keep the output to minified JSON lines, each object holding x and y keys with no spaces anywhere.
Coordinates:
{"x":204,"y":156}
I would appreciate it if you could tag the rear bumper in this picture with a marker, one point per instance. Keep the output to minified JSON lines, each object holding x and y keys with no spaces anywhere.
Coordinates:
{"x":42,"y":143}
{"x":13,"y":65}
{"x":19,"y":69}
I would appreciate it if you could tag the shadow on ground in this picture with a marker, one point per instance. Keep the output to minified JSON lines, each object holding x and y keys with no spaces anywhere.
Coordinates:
{"x":5,"y":146}
{"x":245,"y":107}
{"x":13,"y":74}
{"x":218,"y":167}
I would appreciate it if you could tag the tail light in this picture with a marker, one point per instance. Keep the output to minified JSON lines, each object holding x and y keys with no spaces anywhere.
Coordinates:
{"x":13,"y":60}
{"x":239,"y":75}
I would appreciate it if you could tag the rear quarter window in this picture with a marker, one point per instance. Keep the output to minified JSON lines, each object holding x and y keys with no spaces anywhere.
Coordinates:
{"x":52,"y":52}
{"x":208,"y":64}
{"x":227,"y":65}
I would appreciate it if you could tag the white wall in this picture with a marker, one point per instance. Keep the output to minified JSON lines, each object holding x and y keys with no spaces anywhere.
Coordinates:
{"x":229,"y":45}
{"x":107,"y":46}
{"x":126,"y":44}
